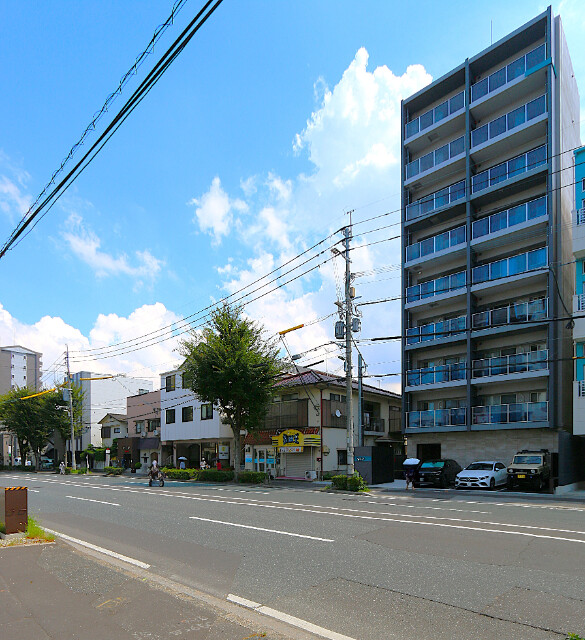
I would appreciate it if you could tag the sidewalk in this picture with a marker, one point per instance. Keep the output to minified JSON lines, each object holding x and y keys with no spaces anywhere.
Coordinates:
{"x":54,"y":591}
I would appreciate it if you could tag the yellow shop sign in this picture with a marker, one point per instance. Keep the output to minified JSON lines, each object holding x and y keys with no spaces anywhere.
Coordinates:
{"x":293,"y":438}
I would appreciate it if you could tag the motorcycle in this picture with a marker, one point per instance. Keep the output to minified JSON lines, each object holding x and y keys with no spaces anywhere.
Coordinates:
{"x":157,"y":476}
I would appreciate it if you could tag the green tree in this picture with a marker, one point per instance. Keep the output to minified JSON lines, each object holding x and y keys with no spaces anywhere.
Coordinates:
{"x":33,"y":420}
{"x":232,"y":364}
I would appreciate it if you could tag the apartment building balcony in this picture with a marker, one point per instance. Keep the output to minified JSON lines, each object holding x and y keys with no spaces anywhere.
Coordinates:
{"x":433,"y":202}
{"x":438,"y":419}
{"x":533,"y":364}
{"x":290,"y":414}
{"x":437,"y":331}
{"x":519,"y":414}
{"x":507,"y":132}
{"x":444,"y":375}
{"x":445,"y":287}
{"x":508,"y":82}
{"x":579,"y":233}
{"x":517,"y":315}
{"x":507,"y":272}
{"x":437,"y":164}
{"x":512,"y":224}
{"x":579,"y":310}
{"x":579,"y":407}
{"x":446,"y":118}
{"x":373,"y":425}
{"x":330,"y":417}
{"x":443,"y":246}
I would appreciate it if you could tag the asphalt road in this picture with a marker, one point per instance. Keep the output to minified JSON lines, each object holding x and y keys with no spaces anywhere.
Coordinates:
{"x":385,"y":565}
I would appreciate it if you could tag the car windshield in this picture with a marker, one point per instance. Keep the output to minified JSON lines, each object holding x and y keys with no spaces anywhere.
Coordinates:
{"x":433,"y":464}
{"x":480,"y":466}
{"x":527,"y":459}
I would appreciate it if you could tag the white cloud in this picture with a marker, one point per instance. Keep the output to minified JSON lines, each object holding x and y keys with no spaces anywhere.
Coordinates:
{"x":85,"y":244}
{"x":13,"y":202}
{"x":214,"y":212}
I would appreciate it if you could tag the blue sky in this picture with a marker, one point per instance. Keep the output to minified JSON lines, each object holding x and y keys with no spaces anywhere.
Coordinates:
{"x":277,"y":118}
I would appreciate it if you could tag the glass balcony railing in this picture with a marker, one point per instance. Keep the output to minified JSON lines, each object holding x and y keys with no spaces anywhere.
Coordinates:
{"x":581,"y":216}
{"x":510,"y":413}
{"x":436,"y":157}
{"x":436,"y":243}
{"x":512,"y":314}
{"x":372,"y":423}
{"x":440,"y":112}
{"x":509,"y":217}
{"x":436,"y":418}
{"x":517,"y":363}
{"x":509,"y":121}
{"x":509,"y":169}
{"x":536,"y":259}
{"x":436,"y":330}
{"x":436,"y":200}
{"x":440,"y":373}
{"x":508,"y":73}
{"x":436,"y":287}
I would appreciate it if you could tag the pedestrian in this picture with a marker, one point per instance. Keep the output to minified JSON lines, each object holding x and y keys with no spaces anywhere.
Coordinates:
{"x":409,"y":474}
{"x":62,"y":468}
{"x":182,"y":464}
{"x":219,"y":465}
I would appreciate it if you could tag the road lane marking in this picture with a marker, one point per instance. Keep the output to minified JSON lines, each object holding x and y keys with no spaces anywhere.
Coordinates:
{"x":113,"y":504}
{"x":106,"y":552}
{"x":247,"y":526}
{"x":285,"y":617}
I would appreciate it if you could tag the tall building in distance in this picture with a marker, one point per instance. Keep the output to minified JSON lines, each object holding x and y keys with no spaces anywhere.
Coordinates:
{"x":487,"y":203}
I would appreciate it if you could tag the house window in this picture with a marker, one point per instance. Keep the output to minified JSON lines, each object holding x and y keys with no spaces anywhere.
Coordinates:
{"x":106,"y":432}
{"x":152,"y":425}
{"x":116,"y":429}
{"x":341,"y":457}
{"x":187,"y":414}
{"x":337,"y":398}
{"x":206,"y":411}
{"x":170,"y":416}
{"x":170,"y":383}
{"x":139,"y":426}
{"x":290,"y":396}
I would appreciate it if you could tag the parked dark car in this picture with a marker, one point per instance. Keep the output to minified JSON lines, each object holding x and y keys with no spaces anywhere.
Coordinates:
{"x":439,"y":473}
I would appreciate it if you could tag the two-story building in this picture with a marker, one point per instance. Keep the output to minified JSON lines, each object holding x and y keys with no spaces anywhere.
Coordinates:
{"x":305,"y":430}
{"x":114,"y":426}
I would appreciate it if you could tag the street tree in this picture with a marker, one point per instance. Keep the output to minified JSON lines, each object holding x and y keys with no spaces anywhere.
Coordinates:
{"x":232,"y":364}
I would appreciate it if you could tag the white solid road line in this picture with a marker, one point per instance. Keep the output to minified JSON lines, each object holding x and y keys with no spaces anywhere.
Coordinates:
{"x":247,"y":526}
{"x":113,"y":504}
{"x":285,"y":617}
{"x":106,"y":552}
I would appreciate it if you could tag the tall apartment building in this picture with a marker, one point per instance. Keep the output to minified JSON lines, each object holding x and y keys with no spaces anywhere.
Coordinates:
{"x":487,"y":199}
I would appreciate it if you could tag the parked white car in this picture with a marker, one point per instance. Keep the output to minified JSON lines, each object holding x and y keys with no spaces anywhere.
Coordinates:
{"x":484,"y":474}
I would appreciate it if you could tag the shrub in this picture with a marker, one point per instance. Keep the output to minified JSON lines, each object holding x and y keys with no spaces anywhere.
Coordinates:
{"x":251,"y":477}
{"x":138,"y":465}
{"x":69,"y":470}
{"x":111,"y":471}
{"x":177,"y":474}
{"x":357,"y":483}
{"x":339,"y":482}
{"x":216,"y":475}
{"x":327,"y":475}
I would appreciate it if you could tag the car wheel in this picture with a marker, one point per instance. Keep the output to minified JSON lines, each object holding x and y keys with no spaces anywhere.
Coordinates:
{"x":493,"y":483}
{"x":443,"y":482}
{"x":509,"y":484}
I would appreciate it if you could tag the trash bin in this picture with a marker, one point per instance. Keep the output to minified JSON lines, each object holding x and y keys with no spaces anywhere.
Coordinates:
{"x":14,"y":509}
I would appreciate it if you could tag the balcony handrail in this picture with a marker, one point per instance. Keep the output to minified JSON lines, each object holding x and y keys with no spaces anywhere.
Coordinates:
{"x":581,"y":388}
{"x":515,"y":363}
{"x":510,"y":413}
{"x":509,"y":121}
{"x":436,"y":200}
{"x":581,"y":215}
{"x":440,"y":112}
{"x":434,"y":158}
{"x":509,"y":217}
{"x":581,"y":302}
{"x":434,"y":330}
{"x":452,"y":417}
{"x":436,"y":287}
{"x":511,"y":314}
{"x":507,"y":266}
{"x":441,"y":241}
{"x":439,"y":373}
{"x":506,"y":74}
{"x":505,"y":170}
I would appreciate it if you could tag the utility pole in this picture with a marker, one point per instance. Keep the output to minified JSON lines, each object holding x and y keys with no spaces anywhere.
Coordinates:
{"x":348,"y":385}
{"x":360,"y":401}
{"x":73,"y":465}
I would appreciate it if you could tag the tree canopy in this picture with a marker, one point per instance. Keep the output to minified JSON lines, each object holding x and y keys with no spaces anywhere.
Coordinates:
{"x":232,"y":364}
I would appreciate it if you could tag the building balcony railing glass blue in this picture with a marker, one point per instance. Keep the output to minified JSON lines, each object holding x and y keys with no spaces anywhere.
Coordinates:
{"x":512,"y":314}
{"x":436,"y":157}
{"x":508,"y":73}
{"x":436,"y":200}
{"x":440,"y":373}
{"x":509,"y":169}
{"x":436,"y":330}
{"x":436,"y":418}
{"x":436,"y":243}
{"x":515,"y":265}
{"x":440,"y":112}
{"x":436,"y":287}
{"x":510,"y":413}
{"x":509,"y":121}
{"x":509,"y":217}
{"x":516,"y":363}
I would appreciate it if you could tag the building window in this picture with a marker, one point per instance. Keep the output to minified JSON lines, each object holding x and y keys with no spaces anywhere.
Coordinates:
{"x":170,"y":383}
{"x":170,"y":416}
{"x":139,"y":426}
{"x":153,"y":425}
{"x":341,"y":457}
{"x":116,"y":429}
{"x":206,"y":411}
{"x":337,"y":398}
{"x":106,"y":432}
{"x":187,"y":414}
{"x":290,"y":396}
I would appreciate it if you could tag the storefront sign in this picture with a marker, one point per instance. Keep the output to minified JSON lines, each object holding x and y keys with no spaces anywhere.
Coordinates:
{"x":290,"y":449}
{"x":292,"y":438}
{"x":224,"y":452}
{"x":248,"y":459}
